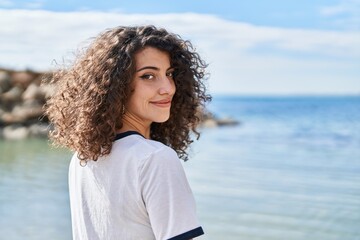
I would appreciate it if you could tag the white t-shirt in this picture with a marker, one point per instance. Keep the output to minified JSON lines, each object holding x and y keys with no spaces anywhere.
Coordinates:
{"x":137,"y":192}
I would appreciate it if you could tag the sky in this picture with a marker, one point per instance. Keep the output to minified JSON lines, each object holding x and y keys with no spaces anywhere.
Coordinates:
{"x":259,"y":47}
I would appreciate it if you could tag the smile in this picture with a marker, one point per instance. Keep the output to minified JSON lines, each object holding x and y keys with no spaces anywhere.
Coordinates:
{"x":162,"y":103}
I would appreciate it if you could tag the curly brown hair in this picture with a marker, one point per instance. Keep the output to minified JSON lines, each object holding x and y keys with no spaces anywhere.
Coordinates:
{"x":86,"y":109}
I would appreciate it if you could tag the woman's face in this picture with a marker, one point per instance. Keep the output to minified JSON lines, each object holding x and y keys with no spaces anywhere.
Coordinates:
{"x":153,"y":86}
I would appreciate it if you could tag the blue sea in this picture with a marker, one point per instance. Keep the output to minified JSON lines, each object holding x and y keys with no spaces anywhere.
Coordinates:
{"x":289,"y":170}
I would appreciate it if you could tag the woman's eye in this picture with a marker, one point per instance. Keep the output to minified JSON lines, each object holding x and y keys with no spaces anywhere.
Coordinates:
{"x":147,"y":76}
{"x":170,"y":74}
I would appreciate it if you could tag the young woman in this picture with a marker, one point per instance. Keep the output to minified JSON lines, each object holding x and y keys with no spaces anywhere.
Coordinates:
{"x":127,"y":107}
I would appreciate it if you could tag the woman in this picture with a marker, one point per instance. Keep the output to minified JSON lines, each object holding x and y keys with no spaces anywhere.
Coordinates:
{"x":127,"y":108}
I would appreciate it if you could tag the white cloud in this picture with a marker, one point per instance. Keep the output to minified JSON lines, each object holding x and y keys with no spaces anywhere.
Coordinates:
{"x":243,"y":58}
{"x":344,"y":6}
{"x":333,"y":10}
{"x":345,"y":14}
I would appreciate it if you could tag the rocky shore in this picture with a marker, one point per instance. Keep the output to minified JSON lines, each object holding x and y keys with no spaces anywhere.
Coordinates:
{"x":22,"y":97}
{"x":21,"y":104}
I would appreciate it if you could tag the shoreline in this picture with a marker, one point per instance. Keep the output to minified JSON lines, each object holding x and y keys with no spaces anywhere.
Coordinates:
{"x":23,"y":95}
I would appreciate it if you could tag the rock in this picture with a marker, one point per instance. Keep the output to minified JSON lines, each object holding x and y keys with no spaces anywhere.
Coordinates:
{"x":227,"y":122}
{"x":209,"y":123}
{"x":9,"y":118}
{"x":39,"y":130}
{"x":32,"y":92}
{"x":48,"y":90}
{"x":22,"y":114}
{"x":218,"y":122}
{"x":46,"y":78}
{"x":15,"y":132}
{"x":13,"y":95}
{"x":33,"y":102}
{"x":5,"y":81}
{"x":21,"y":103}
{"x":27,"y":112}
{"x":38,"y":79}
{"x":209,"y":120}
{"x":23,"y":79}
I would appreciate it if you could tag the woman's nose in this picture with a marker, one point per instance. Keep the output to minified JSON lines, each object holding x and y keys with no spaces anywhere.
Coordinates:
{"x":167,"y":85}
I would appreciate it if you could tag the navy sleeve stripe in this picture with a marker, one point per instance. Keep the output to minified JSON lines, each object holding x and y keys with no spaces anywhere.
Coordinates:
{"x":188,"y":235}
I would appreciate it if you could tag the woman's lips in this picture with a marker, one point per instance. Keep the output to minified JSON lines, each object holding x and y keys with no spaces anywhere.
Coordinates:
{"x":162,"y":103}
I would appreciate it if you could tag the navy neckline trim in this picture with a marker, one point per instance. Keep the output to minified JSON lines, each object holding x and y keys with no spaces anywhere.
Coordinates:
{"x":125,"y":134}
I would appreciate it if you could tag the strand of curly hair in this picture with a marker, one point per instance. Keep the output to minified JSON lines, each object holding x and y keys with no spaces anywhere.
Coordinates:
{"x":86,"y":109}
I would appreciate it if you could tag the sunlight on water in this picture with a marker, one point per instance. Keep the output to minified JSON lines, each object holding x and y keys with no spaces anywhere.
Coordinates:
{"x":33,"y":191}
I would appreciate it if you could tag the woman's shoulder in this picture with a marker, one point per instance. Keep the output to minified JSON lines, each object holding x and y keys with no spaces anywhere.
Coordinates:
{"x":143,"y":149}
{"x":157,"y":149}
{"x":160,"y":157}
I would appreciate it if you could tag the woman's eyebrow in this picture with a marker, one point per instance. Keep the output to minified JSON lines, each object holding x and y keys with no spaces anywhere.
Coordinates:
{"x":153,"y":68}
{"x":148,"y":67}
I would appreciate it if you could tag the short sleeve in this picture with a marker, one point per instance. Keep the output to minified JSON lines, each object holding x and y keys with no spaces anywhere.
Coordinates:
{"x":168,"y":198}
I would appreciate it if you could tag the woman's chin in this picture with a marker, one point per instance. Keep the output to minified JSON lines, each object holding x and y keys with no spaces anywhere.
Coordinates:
{"x":161,"y":119}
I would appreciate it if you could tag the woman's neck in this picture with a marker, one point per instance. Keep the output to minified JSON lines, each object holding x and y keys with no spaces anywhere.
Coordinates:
{"x":134,"y":123}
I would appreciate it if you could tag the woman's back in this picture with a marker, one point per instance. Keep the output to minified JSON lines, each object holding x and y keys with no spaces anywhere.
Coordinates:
{"x":130,"y":193}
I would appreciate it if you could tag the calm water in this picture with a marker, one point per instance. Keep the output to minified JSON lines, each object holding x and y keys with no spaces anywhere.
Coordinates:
{"x":290,"y":170}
